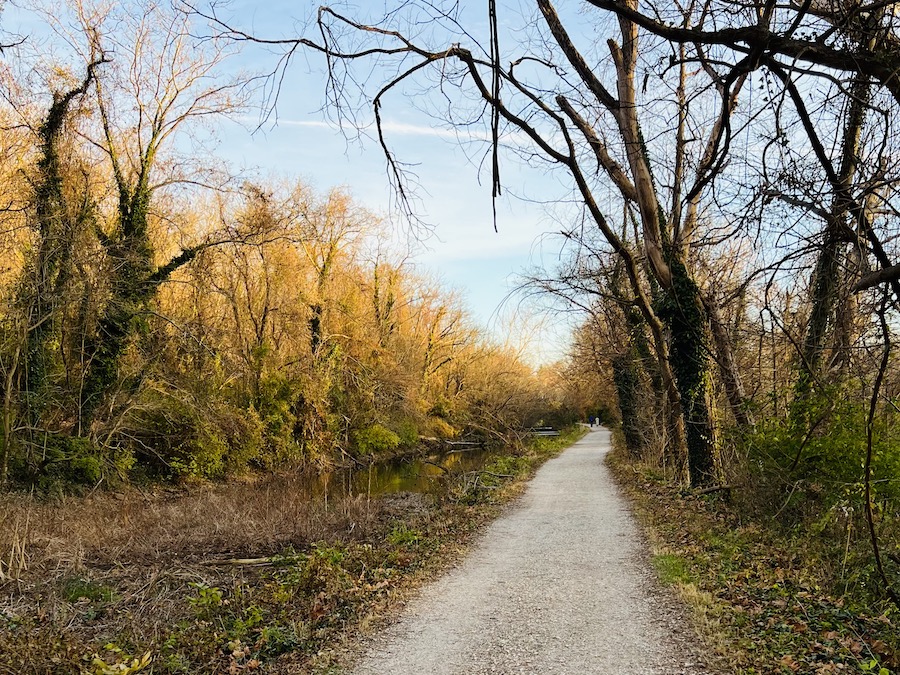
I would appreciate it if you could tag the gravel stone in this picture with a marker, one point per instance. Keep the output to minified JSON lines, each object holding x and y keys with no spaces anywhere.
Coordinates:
{"x":559,"y":584}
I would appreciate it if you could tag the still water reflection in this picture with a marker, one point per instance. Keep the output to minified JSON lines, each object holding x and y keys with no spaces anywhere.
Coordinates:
{"x":416,"y":474}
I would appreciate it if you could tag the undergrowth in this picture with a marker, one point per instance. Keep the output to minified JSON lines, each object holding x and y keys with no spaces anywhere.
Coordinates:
{"x":763,"y":600}
{"x":228,"y":579}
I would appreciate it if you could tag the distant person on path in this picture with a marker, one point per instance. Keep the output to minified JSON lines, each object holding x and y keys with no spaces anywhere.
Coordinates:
{"x":592,"y":420}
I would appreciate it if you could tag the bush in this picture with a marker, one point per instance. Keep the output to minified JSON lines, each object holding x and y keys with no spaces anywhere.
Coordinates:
{"x":436,"y":426}
{"x":277,"y":406}
{"x":408,"y":433}
{"x":57,"y":459}
{"x":820,"y":461}
{"x":72,"y":459}
{"x":376,"y":440}
{"x":185,"y":440}
{"x":441,"y":408}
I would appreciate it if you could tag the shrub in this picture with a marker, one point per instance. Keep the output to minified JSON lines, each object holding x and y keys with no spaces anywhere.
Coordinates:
{"x":441,"y":408}
{"x":55,"y":459}
{"x":276,"y":408}
{"x":408,"y":433}
{"x":375,"y":440}
{"x":820,"y":461}
{"x":189,"y":440}
{"x":436,"y":426}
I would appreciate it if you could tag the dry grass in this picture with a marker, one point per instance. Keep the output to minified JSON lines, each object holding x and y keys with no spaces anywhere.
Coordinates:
{"x":14,"y":563}
{"x":124,"y":568}
{"x":252,"y":517}
{"x":96,"y":583}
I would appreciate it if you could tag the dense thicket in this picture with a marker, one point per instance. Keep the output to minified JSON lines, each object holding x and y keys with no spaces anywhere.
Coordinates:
{"x":159,"y":317}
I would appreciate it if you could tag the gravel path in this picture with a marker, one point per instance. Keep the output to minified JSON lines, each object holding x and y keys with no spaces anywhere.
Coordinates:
{"x":559,"y":584}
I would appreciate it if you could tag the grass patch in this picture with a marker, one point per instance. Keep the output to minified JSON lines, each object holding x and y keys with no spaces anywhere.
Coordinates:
{"x":671,"y":569}
{"x":761,"y":601}
{"x":75,"y":589}
{"x":402,"y":535}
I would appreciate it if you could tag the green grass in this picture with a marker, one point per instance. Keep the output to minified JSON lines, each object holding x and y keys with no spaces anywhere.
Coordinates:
{"x":78,"y":588}
{"x":551,"y":445}
{"x":671,"y":569}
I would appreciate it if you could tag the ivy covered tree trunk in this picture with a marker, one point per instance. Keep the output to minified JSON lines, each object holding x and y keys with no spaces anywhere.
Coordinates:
{"x":134,"y":283}
{"x":57,"y":221}
{"x":646,"y":362}
{"x":825,"y":281}
{"x":633,"y":370}
{"x":626,"y":377}
{"x":132,"y":286}
{"x":681,"y":307}
{"x":168,"y":78}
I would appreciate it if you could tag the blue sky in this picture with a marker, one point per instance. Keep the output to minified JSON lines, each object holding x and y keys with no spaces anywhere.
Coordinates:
{"x":464,"y":249}
{"x":453,"y":188}
{"x":454,"y":193}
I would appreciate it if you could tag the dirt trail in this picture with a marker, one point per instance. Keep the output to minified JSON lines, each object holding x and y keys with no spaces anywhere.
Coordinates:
{"x":559,"y":584}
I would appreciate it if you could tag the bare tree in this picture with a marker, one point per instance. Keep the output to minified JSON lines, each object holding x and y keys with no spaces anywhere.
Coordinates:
{"x":854,"y":46}
{"x":582,"y":113}
{"x":157,"y":77}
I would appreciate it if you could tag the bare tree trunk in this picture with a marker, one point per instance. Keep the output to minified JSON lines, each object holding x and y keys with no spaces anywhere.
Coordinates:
{"x":728,"y":370}
{"x":9,"y":414}
{"x":827,"y":275}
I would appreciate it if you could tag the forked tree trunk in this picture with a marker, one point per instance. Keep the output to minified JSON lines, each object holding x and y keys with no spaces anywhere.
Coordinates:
{"x":133,"y":287}
{"x":134,"y":282}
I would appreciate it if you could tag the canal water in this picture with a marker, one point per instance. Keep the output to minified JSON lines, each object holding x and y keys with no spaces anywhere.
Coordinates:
{"x":412,"y":474}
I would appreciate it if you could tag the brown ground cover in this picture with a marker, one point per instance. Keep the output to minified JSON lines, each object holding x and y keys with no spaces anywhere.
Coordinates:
{"x":250,"y":576}
{"x":764,"y":599}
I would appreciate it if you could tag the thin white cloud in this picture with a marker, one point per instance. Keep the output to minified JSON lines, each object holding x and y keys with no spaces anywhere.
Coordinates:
{"x":400,"y":128}
{"x":405,"y":129}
